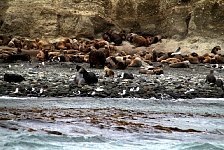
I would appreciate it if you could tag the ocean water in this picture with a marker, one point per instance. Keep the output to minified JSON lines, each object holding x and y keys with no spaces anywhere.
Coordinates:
{"x":83,"y":136}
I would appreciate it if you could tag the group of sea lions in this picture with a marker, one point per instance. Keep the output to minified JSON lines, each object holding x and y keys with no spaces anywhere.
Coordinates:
{"x":104,"y":52}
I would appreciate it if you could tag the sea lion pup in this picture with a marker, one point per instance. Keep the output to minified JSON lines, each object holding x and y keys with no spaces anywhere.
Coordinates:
{"x":210,"y":78}
{"x":108,"y":72}
{"x":215,"y":50}
{"x":13,"y":78}
{"x":89,"y":77}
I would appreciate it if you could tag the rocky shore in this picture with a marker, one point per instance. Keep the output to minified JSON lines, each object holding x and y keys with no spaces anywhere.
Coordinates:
{"x":56,"y":79}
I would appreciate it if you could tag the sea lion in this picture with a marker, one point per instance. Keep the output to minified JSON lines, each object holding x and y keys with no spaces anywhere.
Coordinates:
{"x":43,"y":55}
{"x":116,"y":62}
{"x":89,"y":77}
{"x":158,"y":71}
{"x":171,"y":60}
{"x":97,"y":58}
{"x":108,"y":72}
{"x":139,"y":40}
{"x":136,"y":62}
{"x":13,"y":78}
{"x":215,"y":50}
{"x":126,"y":75}
{"x":17,"y":57}
{"x":111,"y":36}
{"x":184,"y":64}
{"x":210,"y":78}
{"x":219,"y":83}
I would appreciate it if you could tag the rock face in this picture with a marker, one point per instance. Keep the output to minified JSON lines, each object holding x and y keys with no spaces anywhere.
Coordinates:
{"x":52,"y":18}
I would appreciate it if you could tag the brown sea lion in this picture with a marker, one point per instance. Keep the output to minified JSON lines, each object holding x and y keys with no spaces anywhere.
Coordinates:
{"x":171,"y":60}
{"x":108,"y":72}
{"x":136,"y":62}
{"x":184,"y":64}
{"x":139,"y":40}
{"x":97,"y":58}
{"x":215,"y":50}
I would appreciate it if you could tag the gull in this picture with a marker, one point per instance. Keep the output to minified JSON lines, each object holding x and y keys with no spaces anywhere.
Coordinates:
{"x":123,"y":93}
{"x":177,"y":52}
{"x":191,"y":90}
{"x":41,"y":90}
{"x":134,"y":90}
{"x":99,"y":89}
{"x":16,"y":91}
{"x":43,"y":63}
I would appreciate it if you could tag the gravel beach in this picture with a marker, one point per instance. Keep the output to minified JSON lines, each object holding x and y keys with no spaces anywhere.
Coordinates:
{"x":53,"y":79}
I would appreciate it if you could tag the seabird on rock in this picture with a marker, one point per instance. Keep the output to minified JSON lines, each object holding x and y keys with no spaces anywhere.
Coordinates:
{"x":123,"y":93}
{"x":41,"y":90}
{"x":16,"y":91}
{"x":177,"y":52}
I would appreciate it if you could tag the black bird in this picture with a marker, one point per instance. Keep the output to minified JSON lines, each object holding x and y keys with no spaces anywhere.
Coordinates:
{"x":210,"y":78}
{"x":13,"y":78}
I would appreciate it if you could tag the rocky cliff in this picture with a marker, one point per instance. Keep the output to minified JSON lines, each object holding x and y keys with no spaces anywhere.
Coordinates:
{"x":53,"y":18}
